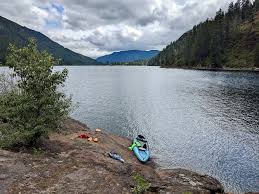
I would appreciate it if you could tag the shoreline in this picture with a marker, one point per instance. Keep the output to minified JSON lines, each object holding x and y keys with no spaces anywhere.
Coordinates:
{"x":252,"y":70}
{"x":65,"y":163}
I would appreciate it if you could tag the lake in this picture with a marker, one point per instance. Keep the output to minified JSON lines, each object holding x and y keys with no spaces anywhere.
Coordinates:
{"x":200,"y":120}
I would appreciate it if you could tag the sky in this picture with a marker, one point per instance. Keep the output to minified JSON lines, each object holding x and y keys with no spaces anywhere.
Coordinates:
{"x":98,"y":27}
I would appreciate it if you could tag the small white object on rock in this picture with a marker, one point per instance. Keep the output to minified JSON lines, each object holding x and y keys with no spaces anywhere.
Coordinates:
{"x":199,"y":183}
{"x":192,"y":183}
{"x":98,"y":130}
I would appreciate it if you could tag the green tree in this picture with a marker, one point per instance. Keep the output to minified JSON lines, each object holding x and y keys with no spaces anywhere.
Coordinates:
{"x":217,"y":40}
{"x":231,"y":10}
{"x":257,"y":55}
{"x":35,"y":106}
{"x":237,"y":8}
{"x":247,"y":10}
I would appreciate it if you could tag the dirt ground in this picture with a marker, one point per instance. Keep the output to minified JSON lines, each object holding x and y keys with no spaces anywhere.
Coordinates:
{"x":68,"y":164}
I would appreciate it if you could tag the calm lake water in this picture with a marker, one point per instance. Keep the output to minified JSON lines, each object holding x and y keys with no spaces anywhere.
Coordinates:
{"x":200,"y":120}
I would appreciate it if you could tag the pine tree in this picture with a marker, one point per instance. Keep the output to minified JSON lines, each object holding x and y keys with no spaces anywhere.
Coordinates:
{"x":246,"y":10}
{"x":257,"y":55}
{"x":257,"y":5}
{"x":237,"y":8}
{"x":231,"y":10}
{"x":217,"y":40}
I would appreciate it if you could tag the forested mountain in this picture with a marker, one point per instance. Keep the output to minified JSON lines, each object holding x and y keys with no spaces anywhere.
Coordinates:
{"x":127,"y":56}
{"x":131,"y":63}
{"x":11,"y":32}
{"x":230,"y":40}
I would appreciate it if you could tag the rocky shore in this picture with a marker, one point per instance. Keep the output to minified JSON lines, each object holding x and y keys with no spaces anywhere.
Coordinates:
{"x":67,"y":164}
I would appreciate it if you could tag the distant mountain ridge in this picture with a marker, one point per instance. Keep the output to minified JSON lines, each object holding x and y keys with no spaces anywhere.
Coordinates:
{"x":11,"y":32}
{"x":128,"y":56}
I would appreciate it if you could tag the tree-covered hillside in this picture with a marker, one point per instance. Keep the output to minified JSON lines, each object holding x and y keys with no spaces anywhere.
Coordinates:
{"x":131,"y":63}
{"x":11,"y":32}
{"x":127,"y":56}
{"x":230,"y":40}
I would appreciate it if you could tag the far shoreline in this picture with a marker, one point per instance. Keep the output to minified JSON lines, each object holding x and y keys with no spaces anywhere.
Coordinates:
{"x":255,"y":70}
{"x":252,"y":70}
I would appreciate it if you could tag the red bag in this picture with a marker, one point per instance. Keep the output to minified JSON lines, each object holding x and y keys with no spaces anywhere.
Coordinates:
{"x":83,"y":136}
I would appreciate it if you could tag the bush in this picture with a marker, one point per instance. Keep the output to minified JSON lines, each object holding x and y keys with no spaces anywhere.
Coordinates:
{"x":35,"y":106}
{"x":141,"y":185}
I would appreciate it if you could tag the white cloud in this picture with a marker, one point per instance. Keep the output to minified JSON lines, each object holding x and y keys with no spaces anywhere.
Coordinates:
{"x":131,"y":33}
{"x":97,"y":27}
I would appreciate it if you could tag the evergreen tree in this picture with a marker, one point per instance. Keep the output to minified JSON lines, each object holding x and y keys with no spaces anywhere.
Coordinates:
{"x":217,"y":40}
{"x":231,"y":10}
{"x":237,"y":8}
{"x":257,"y":55}
{"x":257,"y":5}
{"x":247,"y":10}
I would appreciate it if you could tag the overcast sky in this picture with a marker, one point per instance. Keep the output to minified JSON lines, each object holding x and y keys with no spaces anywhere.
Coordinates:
{"x":98,"y":27}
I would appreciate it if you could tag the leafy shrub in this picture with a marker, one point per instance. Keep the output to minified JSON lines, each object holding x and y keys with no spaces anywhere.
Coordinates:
{"x":141,"y":185}
{"x":36,"y":106}
{"x":187,"y":192}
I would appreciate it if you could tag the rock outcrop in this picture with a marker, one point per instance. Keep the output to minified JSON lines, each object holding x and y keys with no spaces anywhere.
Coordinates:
{"x":68,"y":164}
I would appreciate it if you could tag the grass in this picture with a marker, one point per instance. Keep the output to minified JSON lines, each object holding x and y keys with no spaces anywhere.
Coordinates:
{"x":38,"y":152}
